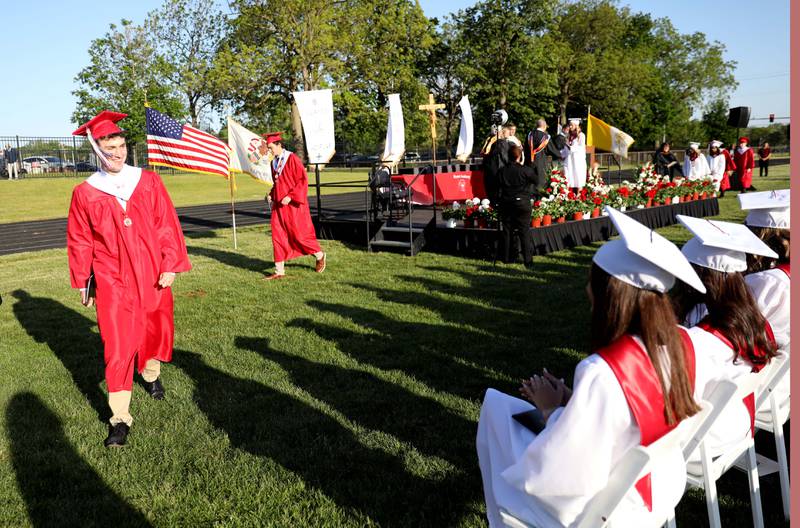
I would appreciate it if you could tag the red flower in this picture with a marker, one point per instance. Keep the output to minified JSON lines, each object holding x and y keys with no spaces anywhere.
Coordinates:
{"x":537,"y":203}
{"x":597,"y":200}
{"x":571,"y":195}
{"x":624,"y":191}
{"x":651,"y":193}
{"x":548,"y":190}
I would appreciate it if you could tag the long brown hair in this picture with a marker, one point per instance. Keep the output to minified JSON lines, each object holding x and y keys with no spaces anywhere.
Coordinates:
{"x":618,"y":309}
{"x":733,"y":311}
{"x":778,"y":240}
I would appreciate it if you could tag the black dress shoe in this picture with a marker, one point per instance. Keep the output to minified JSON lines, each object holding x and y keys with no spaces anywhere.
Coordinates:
{"x":155,"y":389}
{"x":117,"y":435}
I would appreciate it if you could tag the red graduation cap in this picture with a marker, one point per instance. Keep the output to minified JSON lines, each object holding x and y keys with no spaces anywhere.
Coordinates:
{"x":272,"y":137}
{"x":744,"y":139}
{"x":102,"y":125}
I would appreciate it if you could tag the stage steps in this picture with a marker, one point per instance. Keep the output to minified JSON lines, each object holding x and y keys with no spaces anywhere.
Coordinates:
{"x":408,"y":235}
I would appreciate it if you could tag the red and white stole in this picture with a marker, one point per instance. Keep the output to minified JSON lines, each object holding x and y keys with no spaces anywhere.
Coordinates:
{"x":642,"y":388}
{"x":784,"y":267}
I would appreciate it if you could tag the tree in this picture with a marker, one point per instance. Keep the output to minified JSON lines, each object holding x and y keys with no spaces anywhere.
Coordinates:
{"x":504,"y":63}
{"x":277,"y":47}
{"x":123,"y":73}
{"x":185,"y":34}
{"x":386,"y":45}
{"x":715,"y":122}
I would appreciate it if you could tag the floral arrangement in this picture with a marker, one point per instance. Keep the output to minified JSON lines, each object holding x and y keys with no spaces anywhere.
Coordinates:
{"x":455,"y":212}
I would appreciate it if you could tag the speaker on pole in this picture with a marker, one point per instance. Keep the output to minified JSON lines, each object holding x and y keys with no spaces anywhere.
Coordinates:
{"x":739,"y":117}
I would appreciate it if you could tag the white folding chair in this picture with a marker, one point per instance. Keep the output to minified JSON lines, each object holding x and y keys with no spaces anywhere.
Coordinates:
{"x":636,"y":463}
{"x":771,"y":416}
{"x":705,"y":474}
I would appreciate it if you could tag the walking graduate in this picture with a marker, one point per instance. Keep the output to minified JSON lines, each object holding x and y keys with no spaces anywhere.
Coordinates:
{"x":125,"y":246}
{"x":292,"y":230}
{"x":745,"y":163}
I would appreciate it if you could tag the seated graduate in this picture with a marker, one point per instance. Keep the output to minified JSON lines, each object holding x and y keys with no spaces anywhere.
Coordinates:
{"x":546,"y":479}
{"x":768,"y":278}
{"x":730,"y":333}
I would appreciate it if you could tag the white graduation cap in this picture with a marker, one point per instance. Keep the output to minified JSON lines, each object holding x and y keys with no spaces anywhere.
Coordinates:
{"x":694,"y":145}
{"x":575,"y":120}
{"x":767,"y":208}
{"x":643,"y":258}
{"x":721,"y":246}
{"x":716,"y":143}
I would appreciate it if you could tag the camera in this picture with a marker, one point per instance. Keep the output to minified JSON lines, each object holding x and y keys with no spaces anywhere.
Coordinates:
{"x":499,"y":117}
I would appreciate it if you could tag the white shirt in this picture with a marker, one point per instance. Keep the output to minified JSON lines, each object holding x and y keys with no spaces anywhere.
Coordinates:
{"x":716,"y":165}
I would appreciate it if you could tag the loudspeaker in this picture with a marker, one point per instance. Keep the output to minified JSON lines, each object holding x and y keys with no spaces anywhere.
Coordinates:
{"x":739,"y":117}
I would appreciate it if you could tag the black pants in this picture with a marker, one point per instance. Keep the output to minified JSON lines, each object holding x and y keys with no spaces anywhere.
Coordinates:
{"x":516,"y":216}
{"x":763,"y":168}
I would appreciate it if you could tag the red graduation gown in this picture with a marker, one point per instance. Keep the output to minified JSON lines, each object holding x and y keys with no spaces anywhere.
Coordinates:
{"x":292,"y":230}
{"x":745,"y":162}
{"x":134,"y":314}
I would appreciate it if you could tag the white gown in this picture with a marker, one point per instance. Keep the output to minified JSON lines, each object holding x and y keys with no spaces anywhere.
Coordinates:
{"x":547,"y":479}
{"x":697,"y":169}
{"x":716,"y":165}
{"x":770,"y":289}
{"x":575,"y":162}
{"x":714,"y":363}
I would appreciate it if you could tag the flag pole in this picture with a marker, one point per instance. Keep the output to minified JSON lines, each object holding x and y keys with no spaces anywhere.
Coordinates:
{"x":232,"y":186}
{"x":233,"y":210}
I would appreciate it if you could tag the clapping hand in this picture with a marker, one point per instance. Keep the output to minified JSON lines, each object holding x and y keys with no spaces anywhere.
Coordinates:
{"x":286,"y":200}
{"x":546,"y":392}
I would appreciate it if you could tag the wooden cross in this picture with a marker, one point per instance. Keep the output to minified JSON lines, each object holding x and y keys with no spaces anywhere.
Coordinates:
{"x":431,"y":108}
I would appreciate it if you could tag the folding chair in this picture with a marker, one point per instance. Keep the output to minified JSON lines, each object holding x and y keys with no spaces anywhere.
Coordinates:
{"x":771,"y":415}
{"x":705,"y":474}
{"x":637,"y":461}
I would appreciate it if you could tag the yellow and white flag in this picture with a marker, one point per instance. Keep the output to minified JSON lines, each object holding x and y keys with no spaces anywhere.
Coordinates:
{"x":245,"y":155}
{"x":606,"y":137}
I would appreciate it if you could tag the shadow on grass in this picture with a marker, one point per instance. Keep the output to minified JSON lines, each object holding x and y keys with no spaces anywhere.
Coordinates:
{"x":322,"y":452}
{"x":71,"y":337}
{"x":375,"y":403}
{"x":58,"y":486}
{"x":229,"y":258}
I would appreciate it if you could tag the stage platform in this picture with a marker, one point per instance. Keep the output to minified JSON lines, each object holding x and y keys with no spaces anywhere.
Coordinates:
{"x":483,"y":243}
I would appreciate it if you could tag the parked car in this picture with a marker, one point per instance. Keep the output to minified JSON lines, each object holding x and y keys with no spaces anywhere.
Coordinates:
{"x":85,"y":166}
{"x":412,"y":156}
{"x":35,"y":164}
{"x":56,"y":164}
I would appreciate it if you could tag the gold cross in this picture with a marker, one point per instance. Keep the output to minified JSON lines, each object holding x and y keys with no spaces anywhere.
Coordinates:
{"x":431,"y":108}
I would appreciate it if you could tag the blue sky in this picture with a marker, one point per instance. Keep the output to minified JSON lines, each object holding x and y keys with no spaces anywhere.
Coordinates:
{"x":46,"y":43}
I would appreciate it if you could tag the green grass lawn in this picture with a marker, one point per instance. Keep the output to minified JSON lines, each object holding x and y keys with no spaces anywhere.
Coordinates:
{"x":43,"y":198}
{"x":343,"y":399}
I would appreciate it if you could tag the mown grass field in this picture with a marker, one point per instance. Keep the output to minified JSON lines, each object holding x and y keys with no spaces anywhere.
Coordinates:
{"x":44,"y":198}
{"x":348,"y":398}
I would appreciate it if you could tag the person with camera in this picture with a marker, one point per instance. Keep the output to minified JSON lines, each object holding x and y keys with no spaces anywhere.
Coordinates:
{"x":514,"y":189}
{"x":495,"y":154}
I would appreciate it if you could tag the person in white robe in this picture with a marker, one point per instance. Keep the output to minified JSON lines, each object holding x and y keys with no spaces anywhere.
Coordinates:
{"x":695,"y":165}
{"x":768,"y":279}
{"x":575,"y":159}
{"x":546,"y":479}
{"x":719,"y":251}
{"x":716,"y":163}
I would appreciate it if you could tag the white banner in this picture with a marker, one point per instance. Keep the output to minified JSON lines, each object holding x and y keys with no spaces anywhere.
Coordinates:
{"x":395,"y":132}
{"x":316,"y":114}
{"x":620,"y":141}
{"x":465,"y":135}
{"x":245,"y":155}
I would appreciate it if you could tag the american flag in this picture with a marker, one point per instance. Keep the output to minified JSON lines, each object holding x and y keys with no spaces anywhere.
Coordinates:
{"x":183,"y":147}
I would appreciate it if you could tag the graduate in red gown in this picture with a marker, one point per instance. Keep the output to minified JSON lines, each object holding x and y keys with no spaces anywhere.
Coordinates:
{"x":745,"y":162}
{"x":292,"y":230}
{"x":125,"y":246}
